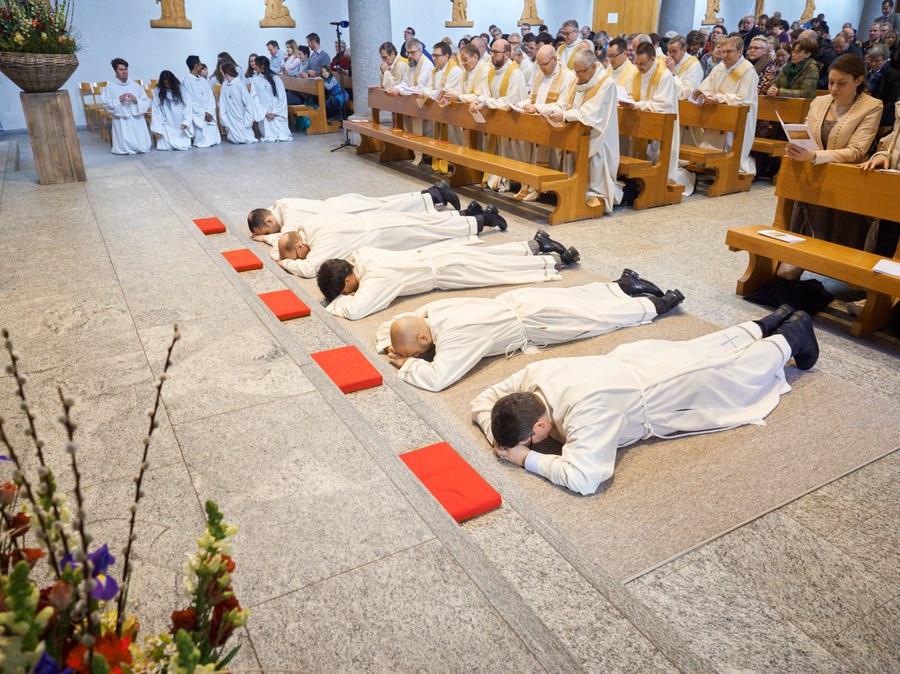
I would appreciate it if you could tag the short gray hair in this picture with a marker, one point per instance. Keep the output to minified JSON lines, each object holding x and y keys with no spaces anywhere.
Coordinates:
{"x":678,"y":39}
{"x":412,"y":43}
{"x":571,"y":23}
{"x":879,"y":51}
{"x":585,"y":57}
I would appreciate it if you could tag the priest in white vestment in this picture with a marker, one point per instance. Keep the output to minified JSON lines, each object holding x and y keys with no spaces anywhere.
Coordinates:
{"x":462,"y":331}
{"x":417,"y":79}
{"x":526,"y":65}
{"x":593,"y":103}
{"x":732,"y":82}
{"x":621,"y":70}
{"x":126,"y":102}
{"x":203,"y":105}
{"x":686,"y":68}
{"x":170,"y":114}
{"x":471,"y":81}
{"x":645,"y":389}
{"x":571,"y":38}
{"x":237,"y":109}
{"x":393,"y":66}
{"x":446,"y":75}
{"x":371,"y":278}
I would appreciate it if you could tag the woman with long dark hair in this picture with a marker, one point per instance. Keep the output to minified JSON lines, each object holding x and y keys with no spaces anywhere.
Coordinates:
{"x":251,"y":67}
{"x":271,"y":97}
{"x":170,"y":114}
{"x":237,"y":110}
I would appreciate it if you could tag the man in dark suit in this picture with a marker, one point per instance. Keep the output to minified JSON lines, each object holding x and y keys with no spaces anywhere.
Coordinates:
{"x":884,"y":81}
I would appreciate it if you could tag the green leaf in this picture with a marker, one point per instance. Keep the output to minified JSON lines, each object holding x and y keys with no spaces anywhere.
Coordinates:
{"x":228,"y":658}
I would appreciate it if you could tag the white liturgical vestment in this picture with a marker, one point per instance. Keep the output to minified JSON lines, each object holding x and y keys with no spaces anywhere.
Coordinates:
{"x":167,"y":118}
{"x":385,"y":275}
{"x":394,"y":75}
{"x":688,"y":76}
{"x":500,"y":89}
{"x":129,"y":128}
{"x":737,"y":85}
{"x":203,"y":102}
{"x":649,"y":388}
{"x":294,"y":214}
{"x":237,"y":110}
{"x":277,"y":128}
{"x":465,"y":330}
{"x":623,"y":74}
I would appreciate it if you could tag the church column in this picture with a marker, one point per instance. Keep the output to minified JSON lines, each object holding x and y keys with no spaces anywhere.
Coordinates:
{"x":871,"y":10}
{"x":370,"y":26}
{"x":676,"y":15}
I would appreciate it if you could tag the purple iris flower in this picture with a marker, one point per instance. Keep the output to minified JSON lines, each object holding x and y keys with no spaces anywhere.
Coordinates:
{"x":47,"y":665}
{"x":106,"y":587}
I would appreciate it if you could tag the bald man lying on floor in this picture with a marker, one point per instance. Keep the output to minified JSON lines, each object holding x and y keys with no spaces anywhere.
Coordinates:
{"x":290,"y":215}
{"x":371,"y":278}
{"x":436,"y":345}
{"x":646,"y":389}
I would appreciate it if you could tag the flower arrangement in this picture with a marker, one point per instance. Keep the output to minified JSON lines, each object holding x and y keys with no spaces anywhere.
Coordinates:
{"x":37,"y":26}
{"x":79,"y":622}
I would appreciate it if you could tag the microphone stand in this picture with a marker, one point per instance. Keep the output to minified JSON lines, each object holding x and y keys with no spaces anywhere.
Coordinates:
{"x":346,"y":142}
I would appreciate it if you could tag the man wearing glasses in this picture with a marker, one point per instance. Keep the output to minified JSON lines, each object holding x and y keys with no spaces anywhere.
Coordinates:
{"x":732,"y":82}
{"x":620,"y":68}
{"x":571,"y":36}
{"x":418,"y":76}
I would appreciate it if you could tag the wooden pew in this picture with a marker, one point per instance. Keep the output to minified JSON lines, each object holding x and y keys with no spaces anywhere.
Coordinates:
{"x":654,"y":187}
{"x":843,"y":186}
{"x":792,"y":111}
{"x":725,"y":165}
{"x":471,"y":163}
{"x":318,"y":120}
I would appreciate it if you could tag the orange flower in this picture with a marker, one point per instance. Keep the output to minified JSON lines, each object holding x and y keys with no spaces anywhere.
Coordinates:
{"x":8,"y":491}
{"x":184,"y":620}
{"x":30,"y":555}
{"x":19,"y":525}
{"x":110,"y":647}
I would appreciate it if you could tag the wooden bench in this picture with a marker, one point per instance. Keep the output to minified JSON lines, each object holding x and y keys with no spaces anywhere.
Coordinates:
{"x":792,"y":111}
{"x":469,"y":162}
{"x":843,"y":186}
{"x":724,"y":165}
{"x":654,"y":187}
{"x":318,"y":119}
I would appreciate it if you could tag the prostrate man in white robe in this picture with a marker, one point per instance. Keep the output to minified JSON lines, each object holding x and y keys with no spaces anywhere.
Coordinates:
{"x":621,"y":69}
{"x":290,"y":215}
{"x":732,"y":82}
{"x":686,"y":68}
{"x":571,"y":38}
{"x":593,"y":103}
{"x":552,"y":83}
{"x":461,"y":332}
{"x":126,"y":102}
{"x":393,"y":66}
{"x":203,"y":105}
{"x":170,"y":116}
{"x":646,"y":389}
{"x":371,"y":278}
{"x":504,"y":85}
{"x":237,"y":108}
{"x":654,"y":89}
{"x":338,"y":236}
{"x":446,"y":75}
{"x":473,"y":77}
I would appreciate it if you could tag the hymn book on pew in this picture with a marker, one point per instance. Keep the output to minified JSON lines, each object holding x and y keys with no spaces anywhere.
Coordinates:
{"x":889,"y":267}
{"x":799,"y":134}
{"x":781,"y":235}
{"x":623,"y":96}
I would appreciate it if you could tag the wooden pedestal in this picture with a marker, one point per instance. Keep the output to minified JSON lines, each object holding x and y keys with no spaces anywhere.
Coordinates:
{"x":54,"y":140}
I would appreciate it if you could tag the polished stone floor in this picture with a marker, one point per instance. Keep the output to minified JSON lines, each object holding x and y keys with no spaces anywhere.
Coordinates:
{"x":346,"y":562}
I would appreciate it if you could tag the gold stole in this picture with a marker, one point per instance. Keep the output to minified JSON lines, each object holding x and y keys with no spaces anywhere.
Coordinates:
{"x":417,"y":72}
{"x":651,"y":87}
{"x":559,"y":52}
{"x":449,"y":67}
{"x":589,"y":94}
{"x":474,"y":75}
{"x":687,"y":62}
{"x":738,"y":72}
{"x":555,"y":85}
{"x":504,"y":83}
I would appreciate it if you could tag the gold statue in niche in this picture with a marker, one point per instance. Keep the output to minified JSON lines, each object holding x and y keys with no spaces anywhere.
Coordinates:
{"x":277,"y":16}
{"x":760,"y":8}
{"x":459,"y":19}
{"x":530,"y":14}
{"x":172,"y":15}
{"x":712,"y":7}
{"x":809,"y":11}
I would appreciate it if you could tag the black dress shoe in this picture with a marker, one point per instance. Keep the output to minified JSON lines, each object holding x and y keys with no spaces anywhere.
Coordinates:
{"x":800,"y":336}
{"x":635,"y":286}
{"x":569,"y":256}
{"x":548,"y":245}
{"x":769,"y":324}
{"x":474,"y":208}
{"x":447,"y":194}
{"x":491,"y":218}
{"x":670,"y":300}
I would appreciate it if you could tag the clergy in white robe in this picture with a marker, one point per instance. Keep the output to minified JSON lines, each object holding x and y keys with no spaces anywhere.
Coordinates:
{"x":474,"y":74}
{"x":686,"y":68}
{"x":237,"y":109}
{"x":462,"y":331}
{"x":338,"y":235}
{"x":417,"y":78}
{"x":593,"y":103}
{"x":126,"y":102}
{"x":445,"y":76}
{"x":621,"y":70}
{"x":571,"y":38}
{"x":645,"y":389}
{"x":371,"y":278}
{"x":733,"y":82}
{"x":203,"y":106}
{"x":170,"y":117}
{"x":273,"y":106}
{"x":393,"y":66}
{"x":526,"y":65}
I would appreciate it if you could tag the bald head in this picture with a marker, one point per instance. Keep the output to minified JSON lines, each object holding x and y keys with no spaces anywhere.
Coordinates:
{"x":547,"y":60}
{"x":410,"y":336}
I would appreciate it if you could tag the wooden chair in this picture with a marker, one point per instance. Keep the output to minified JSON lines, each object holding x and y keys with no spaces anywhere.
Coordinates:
{"x":791,"y":110}
{"x":726,"y":166}
{"x":91,"y":107}
{"x":102,"y":115}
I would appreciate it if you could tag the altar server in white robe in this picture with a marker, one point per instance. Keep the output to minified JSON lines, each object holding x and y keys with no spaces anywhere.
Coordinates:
{"x":337,"y":236}
{"x":273,"y":107}
{"x":503,"y":86}
{"x":418,"y":77}
{"x":126,"y":102}
{"x":446,"y":75}
{"x":471,"y":81}
{"x":170,"y":117}
{"x":288,"y":215}
{"x":462,"y":331}
{"x":371,"y":278}
{"x":553,"y":82}
{"x":393,"y":66}
{"x":620,"y":69}
{"x":645,"y":389}
{"x":203,"y":105}
{"x":732,"y":82}
{"x":593,"y":103}
{"x":237,"y":109}
{"x":654,"y":89}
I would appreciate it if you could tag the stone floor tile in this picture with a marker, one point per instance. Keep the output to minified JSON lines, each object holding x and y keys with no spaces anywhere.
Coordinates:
{"x":876,"y":542}
{"x":401,"y":427}
{"x":871,"y":645}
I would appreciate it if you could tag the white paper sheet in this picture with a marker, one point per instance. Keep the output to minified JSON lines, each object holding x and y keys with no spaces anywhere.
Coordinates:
{"x":546,"y":114}
{"x":781,"y":235}
{"x":622,"y":94}
{"x":477,"y":116}
{"x":799,"y":134}
{"x":889,"y":267}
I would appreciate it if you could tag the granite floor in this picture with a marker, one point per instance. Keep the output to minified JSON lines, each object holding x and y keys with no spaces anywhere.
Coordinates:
{"x":346,"y":561}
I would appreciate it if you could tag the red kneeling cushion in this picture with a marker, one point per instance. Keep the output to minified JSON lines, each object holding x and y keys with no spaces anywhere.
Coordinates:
{"x":348,"y":368}
{"x":452,"y":481}
{"x":210,"y":225}
{"x":243,"y":259}
{"x":285,"y":304}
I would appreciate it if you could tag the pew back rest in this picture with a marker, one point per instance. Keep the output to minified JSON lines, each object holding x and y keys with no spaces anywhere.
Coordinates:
{"x":792,"y":110}
{"x":304,"y":85}
{"x":646,"y":125}
{"x":718,"y":117}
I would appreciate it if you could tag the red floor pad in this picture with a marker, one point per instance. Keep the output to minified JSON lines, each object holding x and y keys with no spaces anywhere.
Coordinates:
{"x":210,"y":225}
{"x":348,"y":368}
{"x":242,"y":259}
{"x":452,"y":481}
{"x":285,"y":304}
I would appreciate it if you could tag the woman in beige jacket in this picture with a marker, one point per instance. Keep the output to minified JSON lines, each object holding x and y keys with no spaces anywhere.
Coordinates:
{"x":844,"y":122}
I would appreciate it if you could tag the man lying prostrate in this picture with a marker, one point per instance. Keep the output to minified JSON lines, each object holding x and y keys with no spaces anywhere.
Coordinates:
{"x":646,"y":389}
{"x":289,"y":215}
{"x":463,"y":331}
{"x":339,"y":235}
{"x":372,"y":278}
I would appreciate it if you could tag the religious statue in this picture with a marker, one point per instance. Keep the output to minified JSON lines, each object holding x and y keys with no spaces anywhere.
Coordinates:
{"x":277,"y":16}
{"x":809,"y":12}
{"x":459,"y":15}
{"x":172,"y":15}
{"x":760,"y":8}
{"x":530,"y":14}
{"x":712,"y":6}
